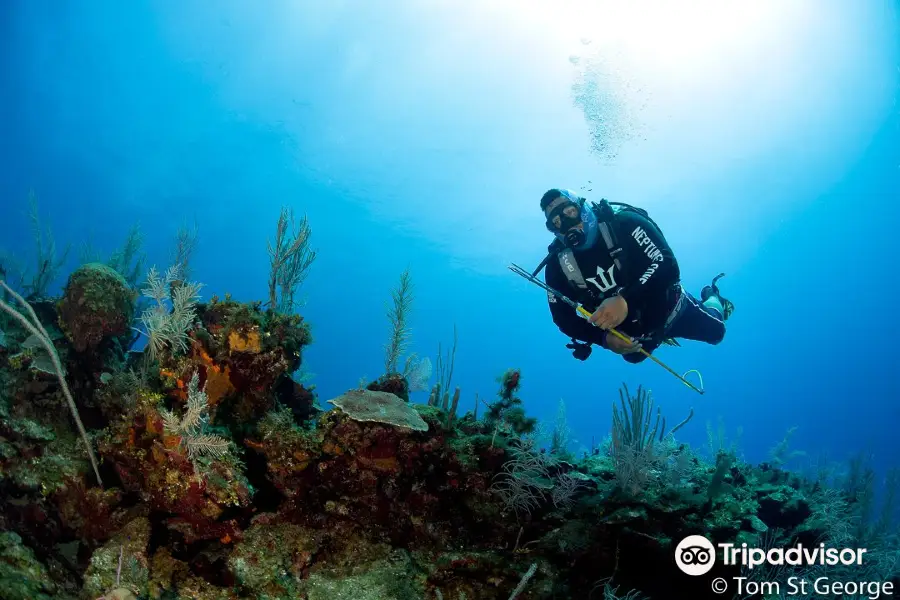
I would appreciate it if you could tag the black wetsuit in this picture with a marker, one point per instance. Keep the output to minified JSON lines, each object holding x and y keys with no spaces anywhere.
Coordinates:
{"x":649,"y":283}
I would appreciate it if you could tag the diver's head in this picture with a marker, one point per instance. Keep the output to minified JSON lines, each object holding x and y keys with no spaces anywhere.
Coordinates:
{"x":569,"y":218}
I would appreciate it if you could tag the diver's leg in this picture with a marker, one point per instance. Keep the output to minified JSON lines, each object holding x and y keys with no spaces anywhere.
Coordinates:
{"x":698,"y":321}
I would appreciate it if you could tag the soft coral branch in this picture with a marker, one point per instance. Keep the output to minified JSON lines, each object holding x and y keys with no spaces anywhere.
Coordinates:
{"x":34,"y":327}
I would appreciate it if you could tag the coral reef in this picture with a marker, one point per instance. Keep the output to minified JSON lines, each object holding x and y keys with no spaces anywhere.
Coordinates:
{"x":223,"y":478}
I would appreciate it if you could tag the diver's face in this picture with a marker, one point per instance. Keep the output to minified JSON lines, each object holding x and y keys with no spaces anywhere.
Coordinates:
{"x":563,"y":215}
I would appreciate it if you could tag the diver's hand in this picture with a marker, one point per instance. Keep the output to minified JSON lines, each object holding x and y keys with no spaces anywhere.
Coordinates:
{"x":610,"y":313}
{"x":620,"y":346}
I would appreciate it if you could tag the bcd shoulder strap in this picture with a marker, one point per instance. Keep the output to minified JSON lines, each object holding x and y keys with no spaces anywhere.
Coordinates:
{"x":606,"y":220}
{"x":571,"y":269}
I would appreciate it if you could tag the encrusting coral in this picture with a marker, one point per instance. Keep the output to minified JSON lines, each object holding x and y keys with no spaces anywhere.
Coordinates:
{"x":379,"y":407}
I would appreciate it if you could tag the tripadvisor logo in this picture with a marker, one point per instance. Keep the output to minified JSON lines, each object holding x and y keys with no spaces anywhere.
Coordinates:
{"x":798,"y":555}
{"x":696,"y":555}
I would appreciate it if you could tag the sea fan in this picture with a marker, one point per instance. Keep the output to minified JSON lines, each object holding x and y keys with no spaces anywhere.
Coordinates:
{"x":190,"y":427}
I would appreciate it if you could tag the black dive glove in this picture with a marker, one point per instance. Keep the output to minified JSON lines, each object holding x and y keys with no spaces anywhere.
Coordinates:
{"x":580,"y":350}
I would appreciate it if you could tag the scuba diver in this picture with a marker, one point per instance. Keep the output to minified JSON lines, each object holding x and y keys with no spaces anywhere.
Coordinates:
{"x":614,"y":260}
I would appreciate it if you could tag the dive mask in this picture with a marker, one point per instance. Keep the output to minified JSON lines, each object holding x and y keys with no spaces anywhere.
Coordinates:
{"x":573,"y":223}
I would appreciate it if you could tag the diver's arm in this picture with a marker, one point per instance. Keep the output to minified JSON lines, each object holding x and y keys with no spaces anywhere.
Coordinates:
{"x":568,"y":321}
{"x":652,"y":265}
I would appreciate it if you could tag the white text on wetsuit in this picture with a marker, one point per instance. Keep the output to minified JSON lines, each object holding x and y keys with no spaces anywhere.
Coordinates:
{"x":649,"y":273}
{"x":650,"y":249}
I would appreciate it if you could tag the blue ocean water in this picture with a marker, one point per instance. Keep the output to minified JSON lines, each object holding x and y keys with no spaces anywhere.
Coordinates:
{"x":764,"y":139}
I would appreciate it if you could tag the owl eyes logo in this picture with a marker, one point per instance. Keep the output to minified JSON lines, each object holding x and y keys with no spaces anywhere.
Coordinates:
{"x":695,"y":555}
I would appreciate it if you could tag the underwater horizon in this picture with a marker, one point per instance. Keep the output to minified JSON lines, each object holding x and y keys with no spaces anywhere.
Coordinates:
{"x":419,"y":137}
